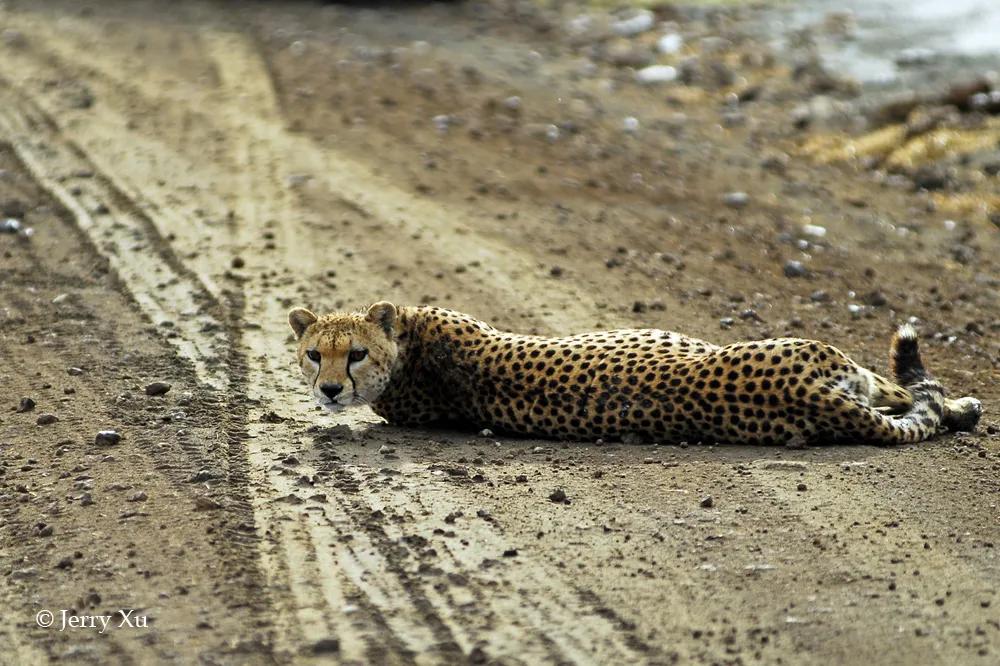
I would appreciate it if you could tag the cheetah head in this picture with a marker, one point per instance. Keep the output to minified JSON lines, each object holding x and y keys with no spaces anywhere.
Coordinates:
{"x":347,"y":357}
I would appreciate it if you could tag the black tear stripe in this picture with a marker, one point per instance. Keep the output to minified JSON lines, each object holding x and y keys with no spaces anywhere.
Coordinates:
{"x":354,"y":388}
{"x":319,"y":366}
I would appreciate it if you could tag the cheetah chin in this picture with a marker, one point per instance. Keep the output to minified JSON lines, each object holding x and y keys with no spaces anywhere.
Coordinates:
{"x":427,"y":365}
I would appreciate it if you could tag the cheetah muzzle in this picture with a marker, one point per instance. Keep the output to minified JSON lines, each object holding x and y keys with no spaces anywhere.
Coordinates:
{"x":427,"y":365}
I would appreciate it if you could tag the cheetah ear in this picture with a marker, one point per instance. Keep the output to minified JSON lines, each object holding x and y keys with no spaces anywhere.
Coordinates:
{"x":300,"y":319}
{"x":384,"y":314}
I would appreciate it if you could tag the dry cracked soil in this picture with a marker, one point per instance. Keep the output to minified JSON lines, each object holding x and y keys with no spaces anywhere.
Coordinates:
{"x":189,"y":171}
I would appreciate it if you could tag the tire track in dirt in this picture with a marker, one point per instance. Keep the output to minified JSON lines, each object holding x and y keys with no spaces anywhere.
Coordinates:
{"x":448,"y":626}
{"x":163,"y":287}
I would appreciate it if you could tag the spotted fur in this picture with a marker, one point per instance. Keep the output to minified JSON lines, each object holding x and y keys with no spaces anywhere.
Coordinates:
{"x":427,"y":365}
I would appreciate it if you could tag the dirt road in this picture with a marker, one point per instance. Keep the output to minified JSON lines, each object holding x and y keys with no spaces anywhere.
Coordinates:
{"x":191,"y":171}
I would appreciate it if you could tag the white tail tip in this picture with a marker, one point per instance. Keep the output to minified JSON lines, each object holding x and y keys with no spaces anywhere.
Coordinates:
{"x":907,"y":332}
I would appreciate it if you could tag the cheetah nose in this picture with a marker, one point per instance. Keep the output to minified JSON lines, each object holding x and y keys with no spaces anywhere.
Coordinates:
{"x":331,"y":390}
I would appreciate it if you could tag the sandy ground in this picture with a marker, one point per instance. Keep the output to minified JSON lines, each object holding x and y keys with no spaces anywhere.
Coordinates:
{"x":192,"y":170}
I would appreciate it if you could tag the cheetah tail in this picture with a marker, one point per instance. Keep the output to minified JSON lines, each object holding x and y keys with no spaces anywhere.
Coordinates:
{"x":904,"y":357}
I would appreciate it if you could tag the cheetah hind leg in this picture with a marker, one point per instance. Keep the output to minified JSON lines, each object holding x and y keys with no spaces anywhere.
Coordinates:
{"x":888,"y":397}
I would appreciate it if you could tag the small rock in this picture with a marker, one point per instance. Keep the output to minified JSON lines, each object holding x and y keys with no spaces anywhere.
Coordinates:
{"x":630,"y":125}
{"x":914,"y":56}
{"x":814,"y":230}
{"x":238,"y":262}
{"x":707,"y":502}
{"x":876,"y":299}
{"x":670,"y":43}
{"x":26,"y":405}
{"x":46,"y":419}
{"x":42,"y":530}
{"x":795,"y":269}
{"x":638,"y":23}
{"x":138,"y":497}
{"x":726,"y":323}
{"x":556,"y":271}
{"x":819,"y":296}
{"x":74,"y":372}
{"x":736,"y":199}
{"x":157,"y":388}
{"x":485,"y":432}
{"x":386,"y":450}
{"x":510,"y":552}
{"x":10,"y":226}
{"x":558,"y":496}
{"x":326,"y":646}
{"x":639,"y":307}
{"x":86,"y":499}
{"x":930,"y":178}
{"x":656,"y":74}
{"x":107,"y":438}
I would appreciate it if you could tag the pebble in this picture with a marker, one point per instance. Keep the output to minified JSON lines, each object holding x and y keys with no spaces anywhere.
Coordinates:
{"x":138,"y":497}
{"x":326,"y":646}
{"x":630,"y":125}
{"x":876,"y":299}
{"x":801,"y":487}
{"x":726,"y":322}
{"x":636,"y":24}
{"x":670,"y":43}
{"x":26,"y":405}
{"x":512,"y":103}
{"x":814,"y":230}
{"x":46,"y":419}
{"x":558,"y":496}
{"x":819,"y":296}
{"x":238,"y":262}
{"x":485,"y":432}
{"x":74,"y":372}
{"x":736,"y":199}
{"x":913,"y":56}
{"x":107,"y":438}
{"x":707,"y":502}
{"x":386,"y":450}
{"x":10,"y":226}
{"x":86,"y":499}
{"x":442,"y":122}
{"x":795,"y":269}
{"x":157,"y":388}
{"x":656,"y":74}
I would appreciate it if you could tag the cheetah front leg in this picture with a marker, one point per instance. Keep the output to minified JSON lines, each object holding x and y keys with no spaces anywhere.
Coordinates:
{"x":962,"y":414}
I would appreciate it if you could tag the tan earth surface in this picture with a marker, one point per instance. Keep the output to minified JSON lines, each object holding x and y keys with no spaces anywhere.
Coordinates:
{"x":192,"y":170}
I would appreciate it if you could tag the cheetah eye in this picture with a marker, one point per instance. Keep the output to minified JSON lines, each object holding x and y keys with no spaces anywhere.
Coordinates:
{"x":357,"y":355}
{"x":314,"y":355}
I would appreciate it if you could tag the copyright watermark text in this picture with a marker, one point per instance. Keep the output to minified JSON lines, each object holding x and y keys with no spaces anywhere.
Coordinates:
{"x":63,"y":619}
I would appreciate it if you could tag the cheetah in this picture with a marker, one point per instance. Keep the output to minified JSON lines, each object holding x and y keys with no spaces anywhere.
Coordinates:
{"x":427,"y":365}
